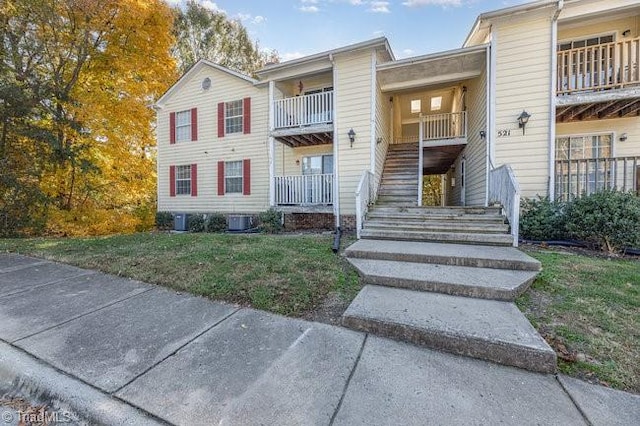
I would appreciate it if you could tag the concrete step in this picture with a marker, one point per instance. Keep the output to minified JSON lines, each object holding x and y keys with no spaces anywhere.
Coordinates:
{"x":433,"y":226}
{"x":419,"y":218}
{"x":443,"y":254}
{"x":486,"y":329}
{"x":448,"y":210}
{"x":435,"y":236}
{"x":484,"y":283}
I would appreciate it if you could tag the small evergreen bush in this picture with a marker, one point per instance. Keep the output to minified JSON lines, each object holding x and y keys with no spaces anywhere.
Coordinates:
{"x":216,"y":222}
{"x":270,"y":221}
{"x":196,"y":223}
{"x":164,"y":220}
{"x":608,"y":219}
{"x":542,"y":219}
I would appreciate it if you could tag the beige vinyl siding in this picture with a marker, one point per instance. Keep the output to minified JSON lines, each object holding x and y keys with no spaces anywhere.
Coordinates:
{"x":523,"y":78}
{"x":286,"y":157}
{"x":475,"y":153}
{"x":579,"y":9}
{"x":383,"y":131}
{"x":630,"y":126}
{"x":209,"y":149}
{"x":587,"y":28}
{"x":353,"y":110}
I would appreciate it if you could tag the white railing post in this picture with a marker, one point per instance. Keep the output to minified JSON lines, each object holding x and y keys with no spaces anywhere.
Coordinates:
{"x":305,"y":110}
{"x":364,"y":198}
{"x":504,"y":189}
{"x":420,"y":158}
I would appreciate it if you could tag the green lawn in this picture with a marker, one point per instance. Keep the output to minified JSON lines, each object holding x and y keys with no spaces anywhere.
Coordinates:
{"x":289,"y":275}
{"x":588,"y":309}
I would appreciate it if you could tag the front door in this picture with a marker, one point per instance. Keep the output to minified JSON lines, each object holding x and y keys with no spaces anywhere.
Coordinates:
{"x":317,"y":186}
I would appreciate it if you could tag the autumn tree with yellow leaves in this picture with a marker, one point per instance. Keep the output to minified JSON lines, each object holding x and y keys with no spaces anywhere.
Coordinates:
{"x":77,"y":78}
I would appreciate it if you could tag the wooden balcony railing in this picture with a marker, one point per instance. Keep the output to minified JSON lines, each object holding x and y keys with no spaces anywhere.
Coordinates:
{"x":444,"y":126}
{"x":599,"y":67}
{"x":306,"y":110}
{"x":305,"y":190}
{"x":575,"y":178}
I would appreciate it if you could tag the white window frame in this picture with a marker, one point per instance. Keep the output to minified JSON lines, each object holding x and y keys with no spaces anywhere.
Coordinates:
{"x":572,"y":40}
{"x":437,"y":107}
{"x":416,"y":106}
{"x":240,"y":177}
{"x":182,"y":189}
{"x":229,"y":127}
{"x":183,"y":126}
{"x":612,"y":134}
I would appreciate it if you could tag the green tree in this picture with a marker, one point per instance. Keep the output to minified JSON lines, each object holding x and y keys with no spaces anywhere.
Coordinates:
{"x":205,"y":34}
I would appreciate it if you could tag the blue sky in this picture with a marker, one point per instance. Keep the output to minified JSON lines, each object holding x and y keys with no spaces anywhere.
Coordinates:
{"x":297,"y":28}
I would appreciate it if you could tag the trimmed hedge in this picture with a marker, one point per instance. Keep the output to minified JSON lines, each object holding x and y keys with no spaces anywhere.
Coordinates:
{"x":609,"y":220}
{"x":270,"y":221}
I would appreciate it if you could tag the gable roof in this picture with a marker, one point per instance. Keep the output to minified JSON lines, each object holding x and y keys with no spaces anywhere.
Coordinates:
{"x":194,"y":70}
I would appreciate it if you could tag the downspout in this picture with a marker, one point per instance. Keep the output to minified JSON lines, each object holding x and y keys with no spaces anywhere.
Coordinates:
{"x":336,"y":181}
{"x":552,"y":100}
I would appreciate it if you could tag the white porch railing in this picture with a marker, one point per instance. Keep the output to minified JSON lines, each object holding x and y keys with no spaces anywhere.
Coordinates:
{"x":504,"y":189}
{"x":304,"y":190}
{"x":306,"y":110}
{"x":598,"y":67}
{"x":451,"y":125}
{"x":575,"y":178}
{"x":364,"y":198}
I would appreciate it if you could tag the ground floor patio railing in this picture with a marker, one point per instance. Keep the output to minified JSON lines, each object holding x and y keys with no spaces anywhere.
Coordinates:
{"x":298,"y":190}
{"x":574,"y":178}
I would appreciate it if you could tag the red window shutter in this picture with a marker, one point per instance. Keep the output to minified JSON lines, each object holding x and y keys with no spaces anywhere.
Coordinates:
{"x":221,"y":120}
{"x":172,"y":128}
{"x":172,"y":181}
{"x":246,"y":177}
{"x":194,"y":180}
{"x":246,"y":120}
{"x":220,"y":177}
{"x":194,"y":124}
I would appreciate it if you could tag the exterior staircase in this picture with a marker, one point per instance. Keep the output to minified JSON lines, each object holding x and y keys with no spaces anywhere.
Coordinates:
{"x":443,"y":277}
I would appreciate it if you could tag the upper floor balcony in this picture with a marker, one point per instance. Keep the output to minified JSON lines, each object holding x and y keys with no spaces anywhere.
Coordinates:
{"x":599,"y":67}
{"x":305,"y":119}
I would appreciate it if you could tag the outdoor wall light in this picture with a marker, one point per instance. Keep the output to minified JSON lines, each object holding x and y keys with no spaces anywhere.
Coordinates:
{"x":523,"y":119}
{"x":483,"y":134}
{"x":623,"y":137}
{"x":352,"y":137}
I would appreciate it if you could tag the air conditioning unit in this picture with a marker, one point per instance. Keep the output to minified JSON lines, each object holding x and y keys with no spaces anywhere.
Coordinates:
{"x":239,"y":223}
{"x":181,"y":222}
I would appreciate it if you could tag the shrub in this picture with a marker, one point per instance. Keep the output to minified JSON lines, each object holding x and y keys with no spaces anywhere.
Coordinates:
{"x":270,"y":221}
{"x":196,"y":223}
{"x":609,"y":219}
{"x":216,"y":222}
{"x":542,"y":219}
{"x":164,"y":220}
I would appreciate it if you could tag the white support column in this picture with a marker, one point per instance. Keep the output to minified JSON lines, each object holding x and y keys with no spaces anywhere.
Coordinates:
{"x":420,"y":158}
{"x":373,"y":114}
{"x":272,"y":148}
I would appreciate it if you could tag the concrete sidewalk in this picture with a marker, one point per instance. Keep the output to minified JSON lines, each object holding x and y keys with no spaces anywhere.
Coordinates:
{"x":118,"y":351}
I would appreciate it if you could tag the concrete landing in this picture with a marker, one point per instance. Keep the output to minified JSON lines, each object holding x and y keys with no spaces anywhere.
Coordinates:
{"x":444,"y":254}
{"x":486,"y":283}
{"x":400,"y":384}
{"x":485,"y":329}
{"x":603,"y":406}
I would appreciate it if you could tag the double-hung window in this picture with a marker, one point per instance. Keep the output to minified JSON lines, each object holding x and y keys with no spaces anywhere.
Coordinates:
{"x":183,"y":180}
{"x":183,"y":126}
{"x":233,"y":117}
{"x":233,"y":177}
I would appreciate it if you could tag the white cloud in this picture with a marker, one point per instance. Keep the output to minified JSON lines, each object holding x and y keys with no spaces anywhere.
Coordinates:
{"x":258,"y":19}
{"x":379,"y":7}
{"x":173,"y":2}
{"x":288,"y":56}
{"x":247,"y":17}
{"x":443,"y":3}
{"x":211,"y":6}
{"x":309,"y":9}
{"x":408,"y":52}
